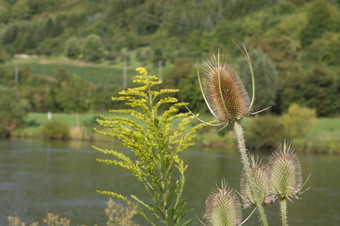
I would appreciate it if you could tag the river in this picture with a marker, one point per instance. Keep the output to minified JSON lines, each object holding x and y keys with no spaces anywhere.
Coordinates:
{"x":37,"y":177}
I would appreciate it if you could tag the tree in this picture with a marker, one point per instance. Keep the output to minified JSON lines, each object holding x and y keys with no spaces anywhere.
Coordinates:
{"x":72,"y":48}
{"x":317,"y":89}
{"x":321,"y":91}
{"x":13,"y":110}
{"x":266,"y":79}
{"x":74,"y":95}
{"x":93,"y":48}
{"x":182,"y":69}
{"x":21,"y":10}
{"x":319,"y":21}
{"x":4,"y":12}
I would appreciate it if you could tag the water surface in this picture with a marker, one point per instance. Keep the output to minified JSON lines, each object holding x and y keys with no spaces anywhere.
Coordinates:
{"x":38,"y":177}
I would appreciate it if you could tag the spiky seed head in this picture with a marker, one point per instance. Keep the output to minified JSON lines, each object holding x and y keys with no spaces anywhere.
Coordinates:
{"x":234,"y":102}
{"x":223,"y":207}
{"x":285,"y":172}
{"x":260,"y":175}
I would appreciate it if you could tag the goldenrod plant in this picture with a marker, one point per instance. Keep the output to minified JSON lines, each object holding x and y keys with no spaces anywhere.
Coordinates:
{"x":155,"y":136}
{"x":228,"y":102}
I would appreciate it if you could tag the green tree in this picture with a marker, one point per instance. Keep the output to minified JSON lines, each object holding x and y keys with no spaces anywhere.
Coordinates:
{"x":319,"y":21}
{"x":266,"y":78}
{"x":74,"y":95}
{"x":182,"y":69}
{"x":321,"y":91}
{"x":4,"y":12}
{"x":13,"y":110}
{"x":325,"y":49}
{"x":92,"y":48}
{"x":72,"y":48}
{"x":21,"y":10}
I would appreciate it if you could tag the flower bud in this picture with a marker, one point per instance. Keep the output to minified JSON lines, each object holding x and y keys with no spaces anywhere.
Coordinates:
{"x":259,"y":172}
{"x":223,"y":207}
{"x":285,"y":173}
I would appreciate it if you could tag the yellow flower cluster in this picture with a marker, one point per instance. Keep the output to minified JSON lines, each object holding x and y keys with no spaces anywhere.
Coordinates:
{"x":141,"y":70}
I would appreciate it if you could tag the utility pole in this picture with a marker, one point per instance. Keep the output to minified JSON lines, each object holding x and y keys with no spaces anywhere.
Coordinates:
{"x":160,"y":70}
{"x":125,"y":73}
{"x":16,"y":74}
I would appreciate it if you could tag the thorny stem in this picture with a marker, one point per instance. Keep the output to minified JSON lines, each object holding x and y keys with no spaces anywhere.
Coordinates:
{"x":283,"y":206}
{"x":242,"y":148}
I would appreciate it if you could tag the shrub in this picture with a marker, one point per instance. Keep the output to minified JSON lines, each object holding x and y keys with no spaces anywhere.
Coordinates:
{"x":55,"y":130}
{"x":13,"y":110}
{"x":297,"y":121}
{"x":72,"y":48}
{"x":264,"y":132}
{"x":92,"y":49}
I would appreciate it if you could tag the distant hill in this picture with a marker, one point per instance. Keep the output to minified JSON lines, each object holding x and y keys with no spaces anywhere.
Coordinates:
{"x":301,"y":38}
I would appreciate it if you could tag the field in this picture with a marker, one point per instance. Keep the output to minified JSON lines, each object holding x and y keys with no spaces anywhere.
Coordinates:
{"x":99,"y":74}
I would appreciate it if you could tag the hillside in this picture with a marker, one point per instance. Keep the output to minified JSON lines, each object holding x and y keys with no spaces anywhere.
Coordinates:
{"x":300,"y":38}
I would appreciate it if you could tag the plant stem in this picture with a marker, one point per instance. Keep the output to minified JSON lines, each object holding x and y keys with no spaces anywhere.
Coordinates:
{"x":283,"y":206}
{"x":242,"y":148}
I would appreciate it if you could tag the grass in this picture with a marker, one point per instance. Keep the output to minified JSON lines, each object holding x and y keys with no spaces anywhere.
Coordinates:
{"x":34,"y":122}
{"x":99,"y":74}
{"x":326,"y":128}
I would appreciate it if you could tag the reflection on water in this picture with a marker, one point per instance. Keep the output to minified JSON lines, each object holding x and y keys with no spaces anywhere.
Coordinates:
{"x":38,"y":177}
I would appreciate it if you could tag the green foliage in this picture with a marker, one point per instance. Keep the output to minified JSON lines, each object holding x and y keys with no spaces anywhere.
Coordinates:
{"x":21,"y":10}
{"x":325,"y":49}
{"x":13,"y":110}
{"x":156,"y":146}
{"x":92,"y":48}
{"x":182,"y":69}
{"x":264,"y":132}
{"x":266,"y":78}
{"x":55,"y":129}
{"x":321,"y":91}
{"x":184,"y":77}
{"x":74,"y":95}
{"x":4,"y":12}
{"x":297,"y":121}
{"x":319,"y":21}
{"x":169,"y":31}
{"x":72,"y":48}
{"x":318,"y":89}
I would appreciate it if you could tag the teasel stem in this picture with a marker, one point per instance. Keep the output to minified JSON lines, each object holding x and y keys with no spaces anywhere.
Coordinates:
{"x":283,"y":206}
{"x":244,"y":157}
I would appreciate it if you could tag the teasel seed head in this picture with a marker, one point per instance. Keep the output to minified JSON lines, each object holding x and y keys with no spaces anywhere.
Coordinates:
{"x":225,"y":94}
{"x":223,"y":207}
{"x":285,"y":173}
{"x":260,"y":174}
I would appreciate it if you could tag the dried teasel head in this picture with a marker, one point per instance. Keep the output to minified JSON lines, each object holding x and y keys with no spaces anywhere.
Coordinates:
{"x":223,"y":207}
{"x":224,"y":91}
{"x":260,"y":174}
{"x":285,"y":173}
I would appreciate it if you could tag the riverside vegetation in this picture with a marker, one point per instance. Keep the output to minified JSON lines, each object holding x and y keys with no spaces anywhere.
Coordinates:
{"x":156,"y":144}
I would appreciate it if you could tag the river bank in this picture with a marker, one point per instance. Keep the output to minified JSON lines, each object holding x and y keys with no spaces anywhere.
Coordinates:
{"x":323,"y":138}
